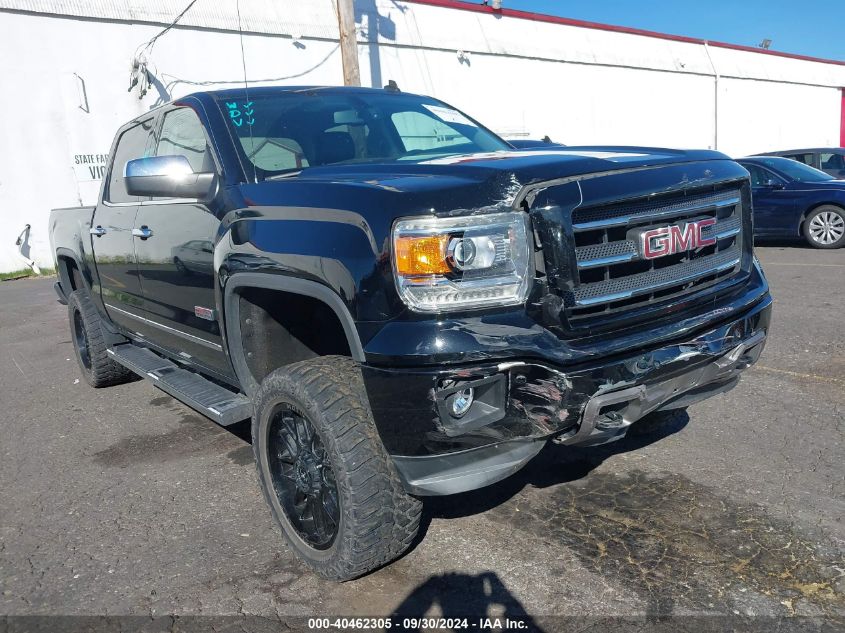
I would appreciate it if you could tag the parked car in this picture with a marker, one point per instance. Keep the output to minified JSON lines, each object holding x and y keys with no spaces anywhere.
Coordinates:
{"x":829,"y":159}
{"x":791,"y":199}
{"x":194,"y":256}
{"x":404,"y":304}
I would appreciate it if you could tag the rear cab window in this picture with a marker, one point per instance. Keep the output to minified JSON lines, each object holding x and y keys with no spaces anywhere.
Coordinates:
{"x":422,"y":132}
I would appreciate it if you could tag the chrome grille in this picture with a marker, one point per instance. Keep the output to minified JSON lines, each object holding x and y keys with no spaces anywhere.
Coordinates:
{"x":613,"y":278}
{"x":600,"y":218}
{"x":653,"y":280}
{"x":607,"y":253}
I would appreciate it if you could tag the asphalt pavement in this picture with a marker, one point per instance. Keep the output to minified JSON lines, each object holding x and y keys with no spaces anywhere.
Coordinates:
{"x":124,"y":502}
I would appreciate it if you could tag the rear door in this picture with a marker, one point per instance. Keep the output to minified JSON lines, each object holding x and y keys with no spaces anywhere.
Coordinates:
{"x":111,"y":232}
{"x":175,"y":245}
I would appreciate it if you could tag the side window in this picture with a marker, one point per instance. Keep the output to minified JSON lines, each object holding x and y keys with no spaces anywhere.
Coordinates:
{"x":759,"y":176}
{"x":182,"y":134}
{"x":807,"y":159}
{"x":132,"y":144}
{"x":421,"y":132}
{"x":833,"y":161}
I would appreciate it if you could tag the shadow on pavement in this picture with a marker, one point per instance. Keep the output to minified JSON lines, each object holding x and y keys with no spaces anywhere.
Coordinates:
{"x":459,"y":596}
{"x":554,"y":465}
{"x":783,"y":242}
{"x":679,"y":545}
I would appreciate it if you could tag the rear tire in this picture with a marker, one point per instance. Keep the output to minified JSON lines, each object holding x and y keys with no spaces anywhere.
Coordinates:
{"x":325,"y":474}
{"x":88,"y":336}
{"x":825,"y":227}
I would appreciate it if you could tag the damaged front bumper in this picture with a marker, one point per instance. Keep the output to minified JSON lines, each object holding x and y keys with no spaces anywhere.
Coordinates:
{"x":519,"y":405}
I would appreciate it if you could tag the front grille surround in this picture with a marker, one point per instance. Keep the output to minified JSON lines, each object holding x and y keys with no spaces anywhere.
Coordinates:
{"x":609,"y":281}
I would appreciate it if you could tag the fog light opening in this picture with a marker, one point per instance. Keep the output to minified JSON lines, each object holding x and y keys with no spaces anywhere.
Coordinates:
{"x":462,"y":402}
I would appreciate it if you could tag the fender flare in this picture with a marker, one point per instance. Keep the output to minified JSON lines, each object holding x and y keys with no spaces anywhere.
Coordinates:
{"x":282,"y":283}
{"x":64,"y":275}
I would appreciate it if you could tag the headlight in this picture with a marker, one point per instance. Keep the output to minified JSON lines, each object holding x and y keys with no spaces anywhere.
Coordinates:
{"x":463,"y":262}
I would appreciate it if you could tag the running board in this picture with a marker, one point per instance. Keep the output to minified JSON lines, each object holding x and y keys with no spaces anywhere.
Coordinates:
{"x":218,"y":403}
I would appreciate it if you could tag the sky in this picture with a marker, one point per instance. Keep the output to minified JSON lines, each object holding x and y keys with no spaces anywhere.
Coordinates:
{"x":808,"y":27}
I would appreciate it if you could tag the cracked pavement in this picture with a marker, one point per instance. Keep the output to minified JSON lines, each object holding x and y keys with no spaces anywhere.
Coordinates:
{"x":122,"y":501}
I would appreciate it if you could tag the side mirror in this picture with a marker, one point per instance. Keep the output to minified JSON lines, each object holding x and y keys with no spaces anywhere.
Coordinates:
{"x":771,"y":183}
{"x":168,"y":177}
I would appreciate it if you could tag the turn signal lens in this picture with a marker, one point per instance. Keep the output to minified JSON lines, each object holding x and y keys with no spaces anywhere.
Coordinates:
{"x":471,"y":261}
{"x":422,"y":255}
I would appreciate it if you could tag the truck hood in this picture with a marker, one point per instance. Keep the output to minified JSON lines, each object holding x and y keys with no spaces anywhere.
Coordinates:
{"x":457,"y":181}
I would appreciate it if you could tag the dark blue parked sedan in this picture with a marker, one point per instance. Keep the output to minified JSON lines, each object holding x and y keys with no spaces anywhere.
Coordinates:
{"x":791,"y":199}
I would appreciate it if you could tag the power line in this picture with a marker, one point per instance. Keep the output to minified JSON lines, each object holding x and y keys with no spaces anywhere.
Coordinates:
{"x":152,"y":41}
{"x":246,"y":83}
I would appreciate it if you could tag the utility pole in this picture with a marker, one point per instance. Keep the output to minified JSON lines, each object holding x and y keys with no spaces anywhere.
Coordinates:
{"x":348,"y":42}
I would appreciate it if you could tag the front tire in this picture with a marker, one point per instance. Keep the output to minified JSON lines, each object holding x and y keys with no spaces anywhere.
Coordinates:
{"x":88,"y":336}
{"x":324,"y":472}
{"x":825,"y":227}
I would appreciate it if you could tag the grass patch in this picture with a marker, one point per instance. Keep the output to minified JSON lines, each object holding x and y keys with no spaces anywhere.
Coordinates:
{"x":23,"y":273}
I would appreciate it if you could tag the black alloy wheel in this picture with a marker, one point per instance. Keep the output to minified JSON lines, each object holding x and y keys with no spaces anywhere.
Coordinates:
{"x":327,"y":478}
{"x":90,"y":343}
{"x":302,"y":476}
{"x":80,"y":338}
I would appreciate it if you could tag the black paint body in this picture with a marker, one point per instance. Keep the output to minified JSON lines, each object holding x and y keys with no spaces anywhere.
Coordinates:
{"x":329,"y":229}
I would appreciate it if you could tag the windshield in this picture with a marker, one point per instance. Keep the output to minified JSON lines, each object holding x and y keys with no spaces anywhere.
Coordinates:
{"x":285,"y":132}
{"x":795,"y":170}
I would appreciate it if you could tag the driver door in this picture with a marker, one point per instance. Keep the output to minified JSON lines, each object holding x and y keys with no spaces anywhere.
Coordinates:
{"x":174,"y":243}
{"x":773,"y":205}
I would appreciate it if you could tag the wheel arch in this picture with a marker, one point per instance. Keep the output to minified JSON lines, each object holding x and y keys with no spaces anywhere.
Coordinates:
{"x":239,"y":283}
{"x":71,"y":272}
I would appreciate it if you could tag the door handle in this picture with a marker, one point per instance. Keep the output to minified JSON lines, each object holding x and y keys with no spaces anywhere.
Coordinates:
{"x":99,"y":231}
{"x":144,"y":232}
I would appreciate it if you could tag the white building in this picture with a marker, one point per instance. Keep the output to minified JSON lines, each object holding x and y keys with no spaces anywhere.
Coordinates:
{"x":65,"y":72}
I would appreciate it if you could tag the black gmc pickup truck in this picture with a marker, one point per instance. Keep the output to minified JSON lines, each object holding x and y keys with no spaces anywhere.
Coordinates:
{"x":403,"y":303}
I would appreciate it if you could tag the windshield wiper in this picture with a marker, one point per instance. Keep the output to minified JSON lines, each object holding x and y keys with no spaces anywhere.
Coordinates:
{"x":287,"y":174}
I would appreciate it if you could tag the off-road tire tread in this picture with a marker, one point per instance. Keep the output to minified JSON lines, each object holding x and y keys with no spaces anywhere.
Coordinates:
{"x":381,"y":518}
{"x":105,"y":371}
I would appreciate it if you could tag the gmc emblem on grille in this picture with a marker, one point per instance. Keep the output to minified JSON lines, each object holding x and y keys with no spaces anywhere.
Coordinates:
{"x":676,"y":238}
